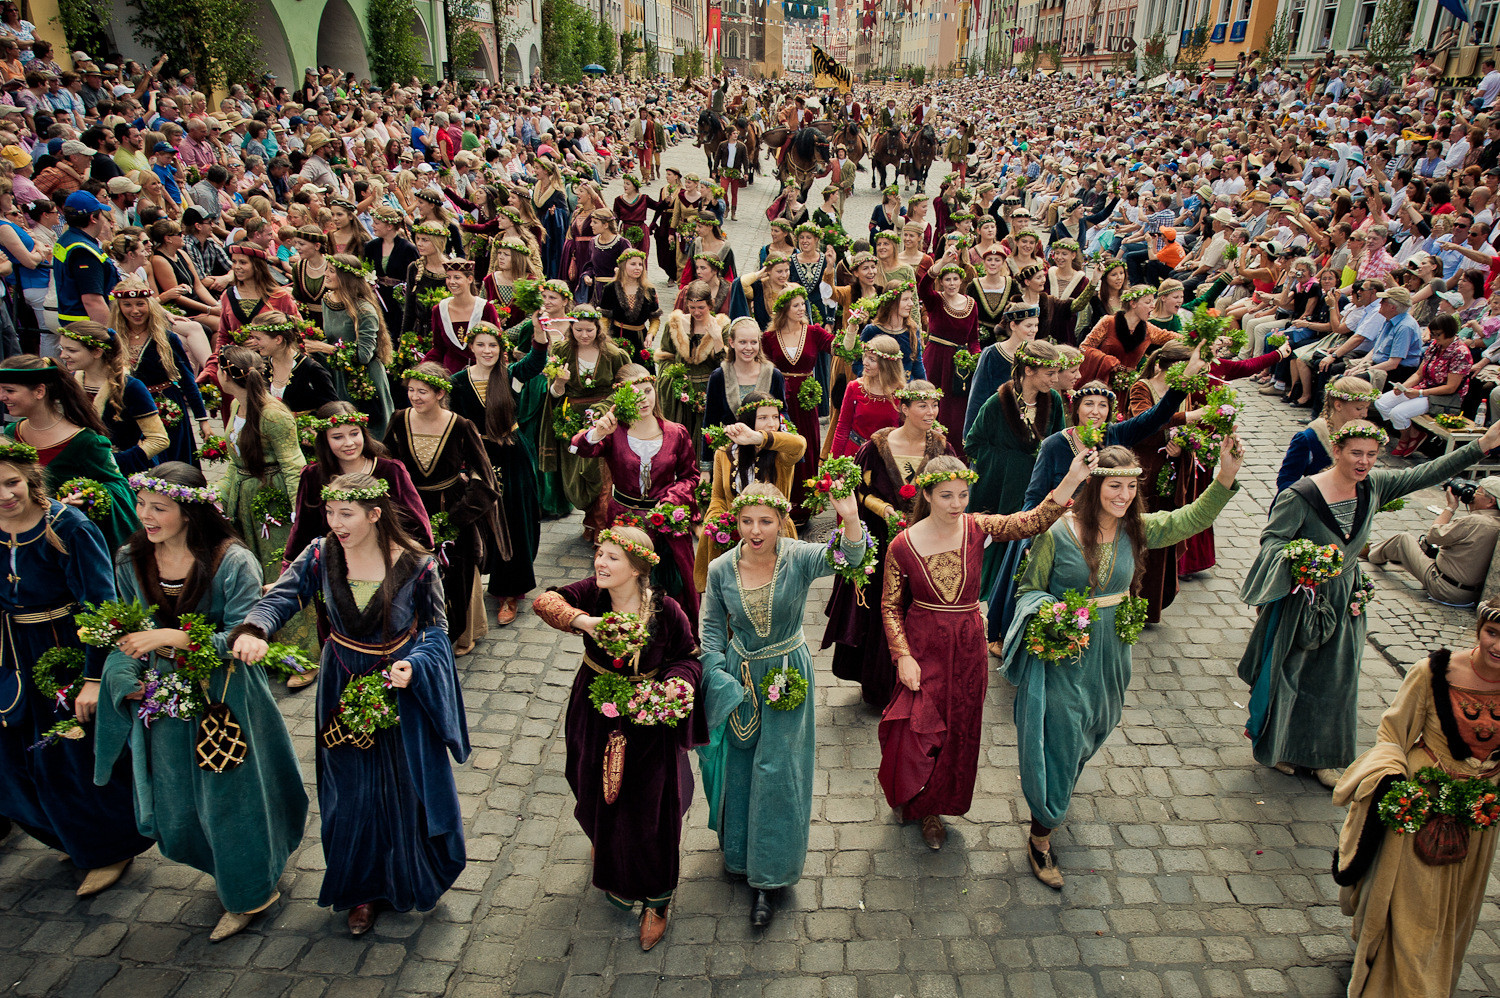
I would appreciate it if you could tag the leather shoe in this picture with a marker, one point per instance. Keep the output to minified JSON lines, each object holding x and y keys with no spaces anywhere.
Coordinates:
{"x":933,"y":832}
{"x":1328,"y":777}
{"x":1044,"y":865}
{"x":234,"y":922}
{"x":653,"y":927}
{"x":361,"y":919}
{"x":761,"y":910}
{"x":102,"y":878}
{"x":297,"y":680}
{"x":507,"y":611}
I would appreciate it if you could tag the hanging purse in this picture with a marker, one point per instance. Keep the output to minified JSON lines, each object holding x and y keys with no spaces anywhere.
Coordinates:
{"x":219,"y":740}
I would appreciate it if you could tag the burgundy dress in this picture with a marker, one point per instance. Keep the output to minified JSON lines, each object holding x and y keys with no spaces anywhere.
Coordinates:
{"x":929,"y":740}
{"x":449,"y":330}
{"x":636,"y":839}
{"x":1159,"y":584}
{"x":674,"y":474}
{"x":310,"y":523}
{"x":948,"y":333}
{"x":797,"y":370}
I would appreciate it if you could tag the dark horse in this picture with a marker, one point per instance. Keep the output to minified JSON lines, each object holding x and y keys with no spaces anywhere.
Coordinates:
{"x":886,"y":152}
{"x":713,"y":131}
{"x":807,"y":158}
{"x":923,"y":151}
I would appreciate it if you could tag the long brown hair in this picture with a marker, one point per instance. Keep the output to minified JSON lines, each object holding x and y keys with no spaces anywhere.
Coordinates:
{"x":110,"y":355}
{"x":207,"y":533}
{"x":1087,"y":510}
{"x":388,"y":532}
{"x":355,"y":294}
{"x":243,"y":366}
{"x":64,"y":395}
{"x":637,"y":536}
{"x":499,"y":400}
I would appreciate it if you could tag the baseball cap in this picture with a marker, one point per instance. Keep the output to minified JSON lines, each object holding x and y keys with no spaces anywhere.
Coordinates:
{"x":1397,"y":294}
{"x":17,"y":156}
{"x":84,"y":201}
{"x":191,"y":215}
{"x":162,"y":147}
{"x":120,"y":90}
{"x":1491,"y":485}
{"x":121,"y":185}
{"x":72,"y":147}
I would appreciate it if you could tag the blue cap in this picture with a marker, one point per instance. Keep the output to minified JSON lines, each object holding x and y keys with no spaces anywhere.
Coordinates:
{"x":162,"y":147}
{"x":54,"y":146}
{"x":84,"y":201}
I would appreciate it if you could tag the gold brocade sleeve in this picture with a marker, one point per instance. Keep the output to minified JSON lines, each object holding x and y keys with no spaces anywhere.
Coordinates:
{"x":556,"y":611}
{"x":1014,"y":526}
{"x":892,"y":597}
{"x":877,"y":505}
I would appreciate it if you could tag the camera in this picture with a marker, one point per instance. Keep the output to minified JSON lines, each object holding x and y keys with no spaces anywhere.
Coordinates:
{"x":1464,"y":488}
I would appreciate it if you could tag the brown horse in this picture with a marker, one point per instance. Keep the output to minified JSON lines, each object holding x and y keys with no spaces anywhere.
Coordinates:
{"x":807,"y":158}
{"x":923,"y":150}
{"x":886,"y":152}
{"x":851,"y":137}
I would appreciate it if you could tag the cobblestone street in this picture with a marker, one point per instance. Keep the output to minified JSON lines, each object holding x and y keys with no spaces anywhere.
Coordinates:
{"x":1191,"y":870}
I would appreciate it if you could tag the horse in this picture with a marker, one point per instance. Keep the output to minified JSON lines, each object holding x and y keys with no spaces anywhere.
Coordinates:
{"x":923,"y":151}
{"x":885,"y":152}
{"x":750,"y":135}
{"x":851,"y":137}
{"x":712,"y":133}
{"x":807,"y":158}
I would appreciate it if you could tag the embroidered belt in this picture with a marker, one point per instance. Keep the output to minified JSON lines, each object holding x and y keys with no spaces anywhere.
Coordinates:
{"x":1105,"y":602}
{"x":777,"y":650}
{"x":633,"y":329}
{"x":42,"y":616}
{"x":344,"y":641}
{"x":946,"y":607}
{"x":636,"y":503}
{"x":944,"y":343}
{"x":638,"y":677}
{"x":438,"y":486}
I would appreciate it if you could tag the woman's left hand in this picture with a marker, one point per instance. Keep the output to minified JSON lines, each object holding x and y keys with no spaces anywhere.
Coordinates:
{"x":142,"y":643}
{"x":400,"y":674}
{"x":1231,"y":456}
{"x":847,"y":508}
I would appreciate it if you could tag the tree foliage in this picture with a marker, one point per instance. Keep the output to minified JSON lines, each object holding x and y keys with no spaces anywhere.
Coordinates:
{"x":570,"y":40}
{"x":1190,"y":54}
{"x":630,"y":48}
{"x":1278,"y":41}
{"x":82,"y":22}
{"x":395,"y":56}
{"x":1388,"y":41}
{"x":219,"y":40}
{"x":605,"y":41}
{"x":1154,"y":61}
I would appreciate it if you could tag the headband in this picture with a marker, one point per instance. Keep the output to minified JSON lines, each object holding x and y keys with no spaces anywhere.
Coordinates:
{"x":1374,"y":433}
{"x":807,"y":228}
{"x":247,"y":249}
{"x":888,"y":234}
{"x":630,"y":254}
{"x":343,"y":419}
{"x":933,"y":478}
{"x":92,"y":342}
{"x":1025,"y":358}
{"x":30,"y":375}
{"x":1066,"y":244}
{"x":482,"y":328}
{"x":1344,"y":396}
{"x":459,"y":264}
{"x":347,"y":268}
{"x":785,"y":298}
{"x":348,"y":206}
{"x":560,"y":288}
{"x":778,"y":503}
{"x":774,"y":403}
{"x":15,"y":450}
{"x":910,"y":395}
{"x":134,"y":293}
{"x":434,"y":229}
{"x":1116,"y":472}
{"x":426,"y":194}
{"x":883,"y":355}
{"x":380,"y":489}
{"x":432,"y":380}
{"x":390,"y":216}
{"x":1103,"y":393}
{"x":143,"y":482}
{"x":515,"y":246}
{"x":587,"y":313}
{"x":1018,"y":310}
{"x":609,"y":536}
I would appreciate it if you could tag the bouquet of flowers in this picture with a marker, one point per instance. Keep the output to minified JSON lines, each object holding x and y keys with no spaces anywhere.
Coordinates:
{"x":670,"y":519}
{"x":103,"y":624}
{"x":1363,"y":594}
{"x":408,"y":353}
{"x":527,"y":296}
{"x":94,"y":497}
{"x":356,"y":378}
{"x":368,"y":704}
{"x":553,"y":368}
{"x":1061,"y":629}
{"x":429,"y":297}
{"x":170,"y":412}
{"x":283,"y":660}
{"x":1394,"y":506}
{"x":313,"y":332}
{"x":668,"y":377}
{"x":1176,"y":377}
{"x":628,"y":404}
{"x":783,"y":688}
{"x":895,"y":521}
{"x":1405,"y":807}
{"x":567,"y":421}
{"x":854,"y":574}
{"x":810,"y":395}
{"x":1205,"y":328}
{"x":1130,"y":618}
{"x":1312,"y":564}
{"x":212,"y":397}
{"x":215,"y":448}
{"x":851,"y":355}
{"x":1450,"y":421}
{"x":703,"y":493}
{"x":1091,"y":434}
{"x":1203,"y":440}
{"x":837,"y":478}
{"x":1472,"y":804}
{"x":964,"y":363}
{"x":722,"y":529}
{"x":622,"y":635}
{"x":650,"y":703}
{"x":272,"y":508}
{"x":166,"y":694}
{"x":308,"y":428}
{"x":195,"y":664}
{"x":1123,"y":378}
{"x":730,"y":173}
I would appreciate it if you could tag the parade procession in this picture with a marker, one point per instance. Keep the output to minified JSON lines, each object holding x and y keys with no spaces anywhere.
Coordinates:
{"x":1010,"y":530}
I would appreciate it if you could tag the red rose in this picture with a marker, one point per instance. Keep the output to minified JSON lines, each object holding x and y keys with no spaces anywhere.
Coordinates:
{"x":826,"y":484}
{"x":908,"y":491}
{"x":657,"y":519}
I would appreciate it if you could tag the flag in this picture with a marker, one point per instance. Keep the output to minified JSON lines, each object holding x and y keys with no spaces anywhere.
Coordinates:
{"x":1456,"y":8}
{"x":828,"y":73}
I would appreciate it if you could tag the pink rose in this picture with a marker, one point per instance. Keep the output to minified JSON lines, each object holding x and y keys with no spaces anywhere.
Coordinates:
{"x":773,"y":693}
{"x":609,"y":710}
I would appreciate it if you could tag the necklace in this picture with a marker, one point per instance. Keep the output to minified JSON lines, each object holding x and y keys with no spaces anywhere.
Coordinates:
{"x":1474,"y":668}
{"x":44,"y":429}
{"x":758,"y":609}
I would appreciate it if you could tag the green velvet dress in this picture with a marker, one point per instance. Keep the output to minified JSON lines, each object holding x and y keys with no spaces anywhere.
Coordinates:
{"x":339,"y":327}
{"x":1302,"y":661}
{"x":1065,"y":710}
{"x":758,"y":766}
{"x":582,"y":477}
{"x":238,"y":826}
{"x":530,"y":403}
{"x":89,"y":455}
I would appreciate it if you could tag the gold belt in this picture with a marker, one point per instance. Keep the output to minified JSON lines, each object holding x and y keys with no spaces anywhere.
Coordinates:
{"x":367,"y":649}
{"x":1105,"y":602}
{"x":42,"y":616}
{"x":438,"y":486}
{"x":946,"y":607}
{"x":632,"y":502}
{"x":626,"y":325}
{"x":944,"y":343}
{"x":777,"y":650}
{"x":638,"y":677}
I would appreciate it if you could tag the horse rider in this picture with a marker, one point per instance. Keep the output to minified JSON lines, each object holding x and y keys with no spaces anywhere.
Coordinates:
{"x":715,"y":106}
{"x":795,"y":117}
{"x":893,"y":119}
{"x":852,"y":112}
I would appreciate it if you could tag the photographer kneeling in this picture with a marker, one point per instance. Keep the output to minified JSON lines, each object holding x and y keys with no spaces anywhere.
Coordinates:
{"x":1454,"y":558}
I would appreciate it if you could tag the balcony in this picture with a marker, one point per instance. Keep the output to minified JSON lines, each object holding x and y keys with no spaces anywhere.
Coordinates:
{"x":1219,"y":32}
{"x":1237,"y":32}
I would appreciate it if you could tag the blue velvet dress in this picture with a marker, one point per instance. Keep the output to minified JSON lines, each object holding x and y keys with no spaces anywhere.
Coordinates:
{"x":183,"y":390}
{"x":392,"y":831}
{"x":49,"y":791}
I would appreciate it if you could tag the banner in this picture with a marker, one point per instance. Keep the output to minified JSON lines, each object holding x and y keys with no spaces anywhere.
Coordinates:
{"x":828,"y":73}
{"x":711,"y":36}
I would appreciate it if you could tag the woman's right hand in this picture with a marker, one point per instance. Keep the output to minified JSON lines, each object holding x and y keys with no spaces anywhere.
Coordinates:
{"x":563,"y":374}
{"x":909,"y":673}
{"x":585,"y":624}
{"x":605,"y":425}
{"x":249,"y":649}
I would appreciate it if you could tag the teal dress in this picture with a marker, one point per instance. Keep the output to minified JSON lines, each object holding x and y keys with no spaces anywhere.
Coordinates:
{"x":530,"y":405}
{"x":758,"y":766}
{"x":1302,"y":660}
{"x":89,"y":455}
{"x":338,"y":326}
{"x":1065,"y":710}
{"x":238,"y":826}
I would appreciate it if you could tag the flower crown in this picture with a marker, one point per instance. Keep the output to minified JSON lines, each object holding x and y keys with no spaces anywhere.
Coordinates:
{"x":775,"y":260}
{"x":785,"y":298}
{"x":608,"y":536}
{"x":918,"y":197}
{"x":435,"y":229}
{"x":342,"y":419}
{"x":515,"y":246}
{"x":708,"y":258}
{"x":1136,"y":293}
{"x":779,"y":503}
{"x":882,"y":354}
{"x":559,"y":288}
{"x":946,"y":269}
{"x":512,"y":214}
{"x":807,"y":228}
{"x":963,"y":216}
{"x":15,"y":450}
{"x":380,"y":489}
{"x":632,"y":179}
{"x":1116,"y":472}
{"x":630,"y":254}
{"x":1028,"y":232}
{"x":474,"y":331}
{"x":1343,"y":433}
{"x":890,"y":294}
{"x":143,"y":482}
{"x":273,"y":327}
{"x":774,"y":403}
{"x":1110,"y":265}
{"x":347,"y":268}
{"x":1344,"y":396}
{"x":933,"y":478}
{"x":587,"y":313}
{"x":891,"y":190}
{"x":1070,"y":245}
{"x":435,"y":381}
{"x":1025,"y":358}
{"x":92,"y":342}
{"x":135,"y":293}
{"x":910,"y":395}
{"x":888,"y":234}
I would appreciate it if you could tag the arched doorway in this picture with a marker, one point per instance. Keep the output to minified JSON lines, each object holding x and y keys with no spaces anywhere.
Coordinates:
{"x":341,"y":44}
{"x":424,"y":40}
{"x":534,"y":62}
{"x":514,"y":73}
{"x":274,"y":49}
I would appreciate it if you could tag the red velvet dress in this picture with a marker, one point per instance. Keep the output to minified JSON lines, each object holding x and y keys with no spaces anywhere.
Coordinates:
{"x":948,"y":333}
{"x":674,"y":473}
{"x":797,"y":370}
{"x":449,"y":329}
{"x":860,"y":415}
{"x":929,"y":740}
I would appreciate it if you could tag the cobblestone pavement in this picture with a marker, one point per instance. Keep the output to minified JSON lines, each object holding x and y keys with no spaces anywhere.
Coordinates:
{"x":1190,"y":870}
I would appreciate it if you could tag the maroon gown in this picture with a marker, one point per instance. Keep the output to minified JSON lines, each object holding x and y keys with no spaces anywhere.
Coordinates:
{"x":796,"y":371}
{"x":674,"y":474}
{"x":1159,"y":583}
{"x":636,"y":839}
{"x":929,"y":740}
{"x":947,"y":334}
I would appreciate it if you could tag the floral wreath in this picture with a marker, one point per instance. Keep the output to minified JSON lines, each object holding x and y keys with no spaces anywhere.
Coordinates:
{"x":946,"y":269}
{"x":889,"y":234}
{"x":891,"y":191}
{"x":1344,"y":396}
{"x":1136,"y":293}
{"x":1071,"y":245}
{"x":1108,"y":266}
{"x":143,"y":482}
{"x":632,"y":179}
{"x":708,"y":258}
{"x":933,"y":478}
{"x":92,"y":342}
{"x":434,"y":229}
{"x":890,"y":294}
{"x":482,"y":326}
{"x":781,"y":223}
{"x":272,"y":327}
{"x":134,"y":293}
{"x":379,"y":490}
{"x":560,"y":288}
{"x":776,"y":260}
{"x":586,"y":313}
{"x":1025,"y":358}
{"x":774,"y":403}
{"x":515,"y":246}
{"x":785,"y":298}
{"x":513,"y":215}
{"x":963,"y":216}
{"x":15,"y":450}
{"x":1018,"y":236}
{"x":347,"y":267}
{"x":1343,"y":433}
{"x":432,"y":380}
{"x":343,"y":419}
{"x":629,"y":254}
{"x":910,"y":395}
{"x":608,"y":536}
{"x":781,"y":504}
{"x":882,"y":354}
{"x":918,"y":197}
{"x":807,"y":228}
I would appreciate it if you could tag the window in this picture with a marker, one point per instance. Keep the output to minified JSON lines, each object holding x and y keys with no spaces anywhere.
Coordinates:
{"x":1294,"y":23}
{"x":1364,"y":19}
{"x":1223,"y":11}
{"x":1325,"y":25}
{"x":1244,"y":11}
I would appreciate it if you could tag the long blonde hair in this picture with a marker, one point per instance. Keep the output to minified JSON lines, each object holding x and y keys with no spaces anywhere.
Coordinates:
{"x":891,"y":373}
{"x":158,"y":320}
{"x":356,"y":295}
